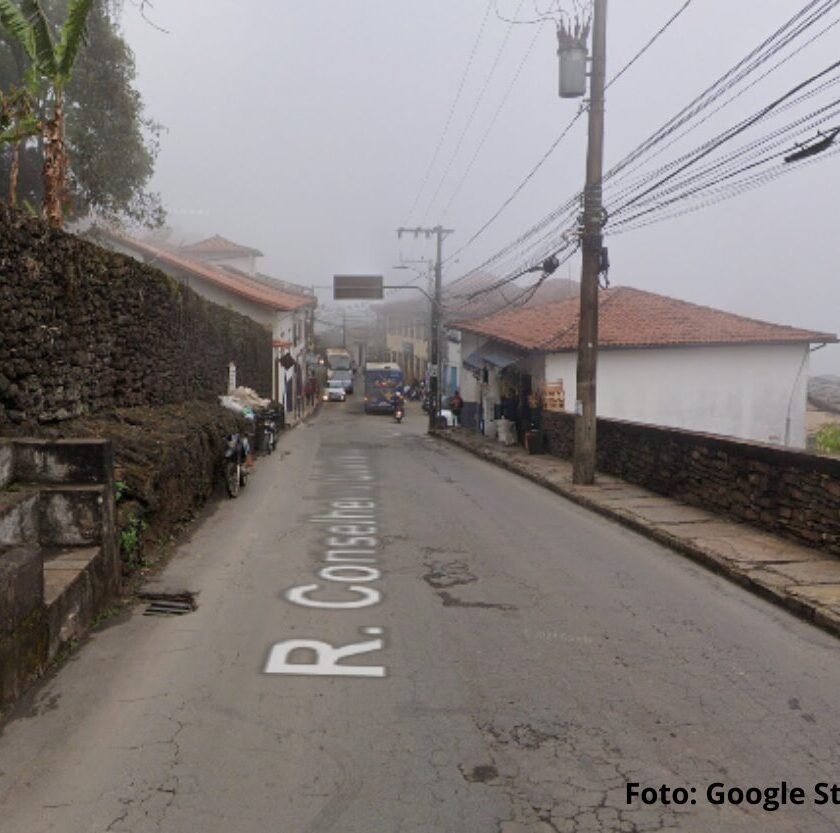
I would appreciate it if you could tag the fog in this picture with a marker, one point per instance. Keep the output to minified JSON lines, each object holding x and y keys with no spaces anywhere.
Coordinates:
{"x":307,"y":129}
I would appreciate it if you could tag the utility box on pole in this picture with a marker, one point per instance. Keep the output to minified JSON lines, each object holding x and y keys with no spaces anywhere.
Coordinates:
{"x":571,"y":50}
{"x":572,"y":71}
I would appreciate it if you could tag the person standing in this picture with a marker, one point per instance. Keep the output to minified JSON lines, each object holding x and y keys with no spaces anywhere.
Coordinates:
{"x":456,"y":403}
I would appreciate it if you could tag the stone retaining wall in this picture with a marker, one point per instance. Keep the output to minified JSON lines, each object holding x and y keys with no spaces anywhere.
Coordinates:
{"x":792,"y":493}
{"x":84,"y":330}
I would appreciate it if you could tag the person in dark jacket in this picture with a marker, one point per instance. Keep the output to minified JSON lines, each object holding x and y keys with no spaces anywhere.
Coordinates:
{"x":456,"y":403}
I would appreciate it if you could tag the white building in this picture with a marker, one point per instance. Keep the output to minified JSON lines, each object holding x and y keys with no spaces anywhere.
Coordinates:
{"x":661,"y":361}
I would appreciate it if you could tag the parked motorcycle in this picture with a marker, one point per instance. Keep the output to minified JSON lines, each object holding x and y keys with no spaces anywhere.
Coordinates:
{"x":271,"y":421}
{"x":234,"y":466}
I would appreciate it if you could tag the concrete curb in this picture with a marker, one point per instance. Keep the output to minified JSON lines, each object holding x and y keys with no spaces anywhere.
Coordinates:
{"x":823,"y":617}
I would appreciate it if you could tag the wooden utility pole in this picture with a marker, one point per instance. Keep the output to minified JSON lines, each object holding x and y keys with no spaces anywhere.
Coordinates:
{"x":434,"y":336}
{"x":434,"y":378}
{"x":583,"y":468}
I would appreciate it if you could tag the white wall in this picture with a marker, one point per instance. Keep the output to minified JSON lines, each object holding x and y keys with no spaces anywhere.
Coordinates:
{"x":283,"y":330}
{"x":470,"y":386}
{"x":738,"y":391}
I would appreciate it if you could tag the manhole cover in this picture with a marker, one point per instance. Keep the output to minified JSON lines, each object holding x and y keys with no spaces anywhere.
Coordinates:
{"x":168,"y":604}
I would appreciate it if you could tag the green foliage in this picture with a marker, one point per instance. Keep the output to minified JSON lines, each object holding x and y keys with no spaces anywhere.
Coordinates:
{"x":72,"y":34}
{"x":120,"y":489}
{"x":130,"y":540}
{"x":14,"y":22}
{"x":31,"y":27}
{"x":111,"y":144}
{"x":38,"y":40}
{"x":828,"y":439}
{"x":17,"y":119}
{"x":49,"y":68}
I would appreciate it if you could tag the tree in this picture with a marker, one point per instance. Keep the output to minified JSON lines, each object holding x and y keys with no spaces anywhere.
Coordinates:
{"x":17,"y":123}
{"x":111,"y":144}
{"x":52,"y":63}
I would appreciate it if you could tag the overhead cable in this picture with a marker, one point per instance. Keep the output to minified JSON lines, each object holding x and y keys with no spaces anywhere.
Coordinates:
{"x":452,"y":109}
{"x":560,"y":138}
{"x":648,"y":45}
{"x":467,"y":126}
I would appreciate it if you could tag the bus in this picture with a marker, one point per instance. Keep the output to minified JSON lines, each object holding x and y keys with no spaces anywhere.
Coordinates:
{"x":339,"y":358}
{"x":382,"y":381}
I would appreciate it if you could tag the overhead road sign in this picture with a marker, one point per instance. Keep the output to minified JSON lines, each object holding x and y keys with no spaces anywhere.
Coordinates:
{"x":357,"y":288}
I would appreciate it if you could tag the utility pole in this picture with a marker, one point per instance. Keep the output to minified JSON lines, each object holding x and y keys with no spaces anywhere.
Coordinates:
{"x":434,"y":337}
{"x":583,"y":462}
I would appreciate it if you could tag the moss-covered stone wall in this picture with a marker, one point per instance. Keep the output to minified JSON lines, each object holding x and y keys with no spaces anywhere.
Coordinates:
{"x":84,"y":330}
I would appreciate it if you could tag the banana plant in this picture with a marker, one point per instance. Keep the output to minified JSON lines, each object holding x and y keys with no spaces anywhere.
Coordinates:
{"x":18,"y":123}
{"x":51,"y":64}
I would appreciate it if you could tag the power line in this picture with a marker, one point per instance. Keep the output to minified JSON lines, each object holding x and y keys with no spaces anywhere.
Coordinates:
{"x":478,"y":101}
{"x":560,"y":138}
{"x":521,"y":185}
{"x":763,"y":52}
{"x":492,"y":121}
{"x":760,"y":54}
{"x":731,"y":100}
{"x":631,"y":188}
{"x":729,"y":135}
{"x":453,"y":107}
{"x":648,"y":45}
{"x":757,"y":181}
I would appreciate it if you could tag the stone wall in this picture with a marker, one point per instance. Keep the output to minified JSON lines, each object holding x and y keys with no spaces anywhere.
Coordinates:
{"x":792,"y":493}
{"x":84,"y":330}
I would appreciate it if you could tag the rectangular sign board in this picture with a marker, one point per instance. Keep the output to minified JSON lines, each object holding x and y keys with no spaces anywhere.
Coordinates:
{"x":357,"y":288}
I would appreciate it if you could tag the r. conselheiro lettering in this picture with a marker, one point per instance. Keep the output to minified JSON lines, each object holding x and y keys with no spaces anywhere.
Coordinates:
{"x":350,"y":544}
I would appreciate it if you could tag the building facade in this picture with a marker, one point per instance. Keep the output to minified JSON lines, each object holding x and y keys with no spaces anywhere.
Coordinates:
{"x":661,"y":361}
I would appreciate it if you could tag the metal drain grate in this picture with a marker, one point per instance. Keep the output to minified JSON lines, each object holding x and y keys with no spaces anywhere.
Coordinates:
{"x":168,"y":604}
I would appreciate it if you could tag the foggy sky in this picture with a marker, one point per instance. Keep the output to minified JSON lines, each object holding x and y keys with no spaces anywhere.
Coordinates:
{"x":305,"y":128}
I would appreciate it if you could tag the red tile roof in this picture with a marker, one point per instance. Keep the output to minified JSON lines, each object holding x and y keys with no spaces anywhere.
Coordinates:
{"x":633,"y":318}
{"x":217,"y":245}
{"x":238,"y":284}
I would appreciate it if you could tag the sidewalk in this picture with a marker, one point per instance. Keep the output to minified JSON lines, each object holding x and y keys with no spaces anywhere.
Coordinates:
{"x":291,"y":420}
{"x":802,"y":580}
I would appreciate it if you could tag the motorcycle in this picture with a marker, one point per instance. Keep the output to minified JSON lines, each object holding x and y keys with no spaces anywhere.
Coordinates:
{"x":237,"y":452}
{"x":399,"y":413}
{"x":271,"y":419}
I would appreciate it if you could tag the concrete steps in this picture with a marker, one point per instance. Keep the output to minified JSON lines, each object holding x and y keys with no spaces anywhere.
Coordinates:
{"x":70,"y":593}
{"x":59,"y":560}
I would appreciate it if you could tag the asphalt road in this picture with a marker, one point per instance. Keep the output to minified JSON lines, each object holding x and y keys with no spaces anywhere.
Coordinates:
{"x":394,"y":637}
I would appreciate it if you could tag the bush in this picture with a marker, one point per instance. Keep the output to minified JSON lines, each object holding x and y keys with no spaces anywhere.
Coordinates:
{"x":828,"y":439}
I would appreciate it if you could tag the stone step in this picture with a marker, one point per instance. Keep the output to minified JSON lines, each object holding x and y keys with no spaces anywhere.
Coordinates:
{"x":73,"y":592}
{"x":62,"y":567}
